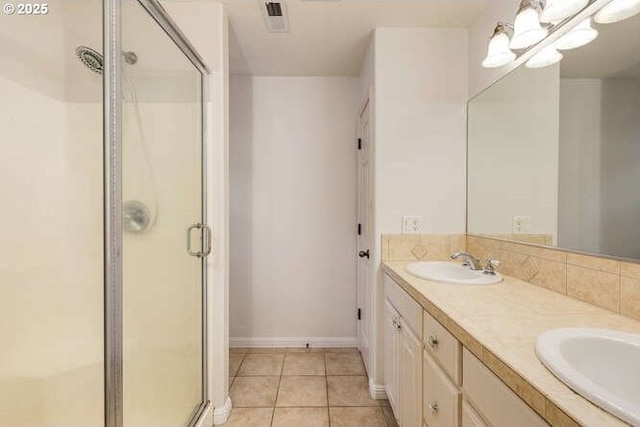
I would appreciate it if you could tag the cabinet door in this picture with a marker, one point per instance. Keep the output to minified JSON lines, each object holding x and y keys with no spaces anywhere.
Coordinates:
{"x":470,"y":417}
{"x":410,"y":375}
{"x":500,"y":406}
{"x":391,"y":355}
{"x":441,"y":397}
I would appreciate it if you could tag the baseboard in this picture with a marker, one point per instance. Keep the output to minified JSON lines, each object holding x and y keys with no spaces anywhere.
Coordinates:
{"x":293,"y":342}
{"x":206,"y":419}
{"x":221,"y":415}
{"x":376,"y":391}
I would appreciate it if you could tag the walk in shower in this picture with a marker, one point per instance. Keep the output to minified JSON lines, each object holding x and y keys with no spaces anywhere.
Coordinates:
{"x":102,"y":238}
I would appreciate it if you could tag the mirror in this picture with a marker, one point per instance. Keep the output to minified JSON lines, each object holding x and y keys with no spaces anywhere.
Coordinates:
{"x":554,"y":152}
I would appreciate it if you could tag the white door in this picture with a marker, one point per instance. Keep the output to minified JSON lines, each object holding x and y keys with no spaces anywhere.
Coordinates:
{"x":409,"y":362}
{"x":364,"y":237}
{"x":391,"y":337}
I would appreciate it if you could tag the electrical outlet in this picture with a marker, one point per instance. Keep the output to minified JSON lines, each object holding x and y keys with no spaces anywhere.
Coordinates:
{"x":521,"y":224}
{"x":411,"y":224}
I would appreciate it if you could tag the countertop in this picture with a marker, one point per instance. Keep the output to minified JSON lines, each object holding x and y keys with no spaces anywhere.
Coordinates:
{"x":500,"y":324}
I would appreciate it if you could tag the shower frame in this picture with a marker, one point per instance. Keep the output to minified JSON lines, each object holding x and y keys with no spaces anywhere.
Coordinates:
{"x":113,"y":242}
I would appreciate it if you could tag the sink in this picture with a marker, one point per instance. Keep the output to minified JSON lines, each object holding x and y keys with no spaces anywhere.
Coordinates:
{"x":450,"y":272}
{"x":600,"y":365}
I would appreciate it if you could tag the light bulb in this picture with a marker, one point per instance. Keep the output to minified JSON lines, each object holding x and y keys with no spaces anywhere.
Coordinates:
{"x":578,"y":36}
{"x":617,"y":10}
{"x":527,"y":30}
{"x":557,"y":10}
{"x":547,"y":56}
{"x":498,"y":53}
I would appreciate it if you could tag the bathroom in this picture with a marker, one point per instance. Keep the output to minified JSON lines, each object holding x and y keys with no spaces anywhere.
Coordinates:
{"x":242,"y":213}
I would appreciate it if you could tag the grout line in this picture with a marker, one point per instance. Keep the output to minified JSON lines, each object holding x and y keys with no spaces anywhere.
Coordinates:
{"x":273,"y":412}
{"x":326,"y":388}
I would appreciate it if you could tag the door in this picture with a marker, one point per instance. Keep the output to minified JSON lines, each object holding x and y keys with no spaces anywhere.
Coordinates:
{"x":164,"y":241}
{"x":364,"y":247}
{"x":390,"y":331}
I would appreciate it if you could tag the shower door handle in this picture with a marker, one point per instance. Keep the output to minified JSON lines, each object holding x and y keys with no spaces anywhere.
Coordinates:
{"x":206,"y":240}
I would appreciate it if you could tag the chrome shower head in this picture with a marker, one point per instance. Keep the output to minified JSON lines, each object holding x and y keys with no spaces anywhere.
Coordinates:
{"x":95,"y":61}
{"x":90,"y":58}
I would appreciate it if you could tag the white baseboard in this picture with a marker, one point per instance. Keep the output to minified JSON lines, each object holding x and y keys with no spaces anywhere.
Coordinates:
{"x":376,"y":391}
{"x":293,"y":342}
{"x":221,"y":415}
{"x":206,"y":420}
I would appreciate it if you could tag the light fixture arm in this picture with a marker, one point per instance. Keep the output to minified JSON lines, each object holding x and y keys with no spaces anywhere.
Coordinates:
{"x":502,"y":27}
{"x":538,"y":5}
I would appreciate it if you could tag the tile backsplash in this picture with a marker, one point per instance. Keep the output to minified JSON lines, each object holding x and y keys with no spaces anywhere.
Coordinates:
{"x":604,"y":282}
{"x":607,"y":283}
{"x":421,"y":247}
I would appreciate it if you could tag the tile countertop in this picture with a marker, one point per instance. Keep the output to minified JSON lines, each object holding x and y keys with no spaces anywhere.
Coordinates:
{"x":500,"y":324}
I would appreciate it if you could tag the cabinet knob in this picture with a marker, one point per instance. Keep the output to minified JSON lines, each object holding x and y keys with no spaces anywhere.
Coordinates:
{"x":433,"y":408}
{"x":432,"y":341}
{"x":395,"y":324}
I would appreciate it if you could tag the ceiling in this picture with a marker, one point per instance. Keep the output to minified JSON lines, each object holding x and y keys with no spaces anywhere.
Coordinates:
{"x":329,"y":37}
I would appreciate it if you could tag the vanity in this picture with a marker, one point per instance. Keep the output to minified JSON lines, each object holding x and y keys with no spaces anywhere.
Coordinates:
{"x":552,"y":156}
{"x":465,"y":355}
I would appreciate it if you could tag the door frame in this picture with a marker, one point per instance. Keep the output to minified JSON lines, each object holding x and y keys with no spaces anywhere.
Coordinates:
{"x":112,"y":199}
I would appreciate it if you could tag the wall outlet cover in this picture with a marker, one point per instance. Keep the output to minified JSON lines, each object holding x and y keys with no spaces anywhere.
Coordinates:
{"x":521,"y":224}
{"x":411,"y":224}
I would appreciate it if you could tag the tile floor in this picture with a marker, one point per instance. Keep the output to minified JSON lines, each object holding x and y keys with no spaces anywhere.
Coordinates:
{"x":300,"y":387}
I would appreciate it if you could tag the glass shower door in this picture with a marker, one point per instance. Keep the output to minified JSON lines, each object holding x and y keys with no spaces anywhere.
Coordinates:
{"x":162,"y":196}
{"x":51,"y":228}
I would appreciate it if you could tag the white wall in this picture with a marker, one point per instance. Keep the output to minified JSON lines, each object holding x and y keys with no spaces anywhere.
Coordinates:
{"x":420,"y":92}
{"x":201,"y":23}
{"x":620,"y":171}
{"x":51,"y":298}
{"x":513,"y":153}
{"x":293,"y":210}
{"x":580,"y":164}
{"x":478,"y":38}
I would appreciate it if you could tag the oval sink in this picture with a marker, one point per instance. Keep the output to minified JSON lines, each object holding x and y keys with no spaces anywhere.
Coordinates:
{"x":600,"y":365}
{"x":450,"y":272}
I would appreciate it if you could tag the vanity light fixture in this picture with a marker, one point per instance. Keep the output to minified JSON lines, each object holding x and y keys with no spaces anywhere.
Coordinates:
{"x":499,"y":53}
{"x":617,"y":10}
{"x":527,"y":30}
{"x":578,"y":36}
{"x":547,"y":56}
{"x":557,"y":10}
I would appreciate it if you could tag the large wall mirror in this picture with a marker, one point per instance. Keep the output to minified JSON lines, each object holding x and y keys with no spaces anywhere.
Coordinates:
{"x":554,"y":152}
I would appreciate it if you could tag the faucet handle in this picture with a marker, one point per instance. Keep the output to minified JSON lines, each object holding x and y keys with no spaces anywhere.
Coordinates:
{"x":489,"y":268}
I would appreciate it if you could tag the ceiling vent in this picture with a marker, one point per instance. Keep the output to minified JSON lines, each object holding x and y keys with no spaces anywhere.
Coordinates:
{"x":275,"y":16}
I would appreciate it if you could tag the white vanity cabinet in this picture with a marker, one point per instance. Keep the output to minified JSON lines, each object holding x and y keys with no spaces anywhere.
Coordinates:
{"x":433,"y":381}
{"x":403,"y":354}
{"x":495,"y":402}
{"x":441,"y":375}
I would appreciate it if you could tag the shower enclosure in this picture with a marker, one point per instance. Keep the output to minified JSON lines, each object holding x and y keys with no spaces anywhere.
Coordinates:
{"x":103,"y":235}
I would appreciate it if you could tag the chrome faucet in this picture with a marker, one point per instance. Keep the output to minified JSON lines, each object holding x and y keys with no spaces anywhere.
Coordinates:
{"x":469,"y":260}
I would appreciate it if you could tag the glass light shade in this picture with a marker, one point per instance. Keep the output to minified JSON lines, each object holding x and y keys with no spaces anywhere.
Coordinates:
{"x":527,"y":30}
{"x":557,"y":10}
{"x":498,"y":53}
{"x":578,"y":36}
{"x":547,"y":56}
{"x":617,"y":10}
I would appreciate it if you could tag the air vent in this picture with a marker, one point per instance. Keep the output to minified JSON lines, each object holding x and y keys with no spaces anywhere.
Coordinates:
{"x":273,"y":9}
{"x":275,"y":16}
